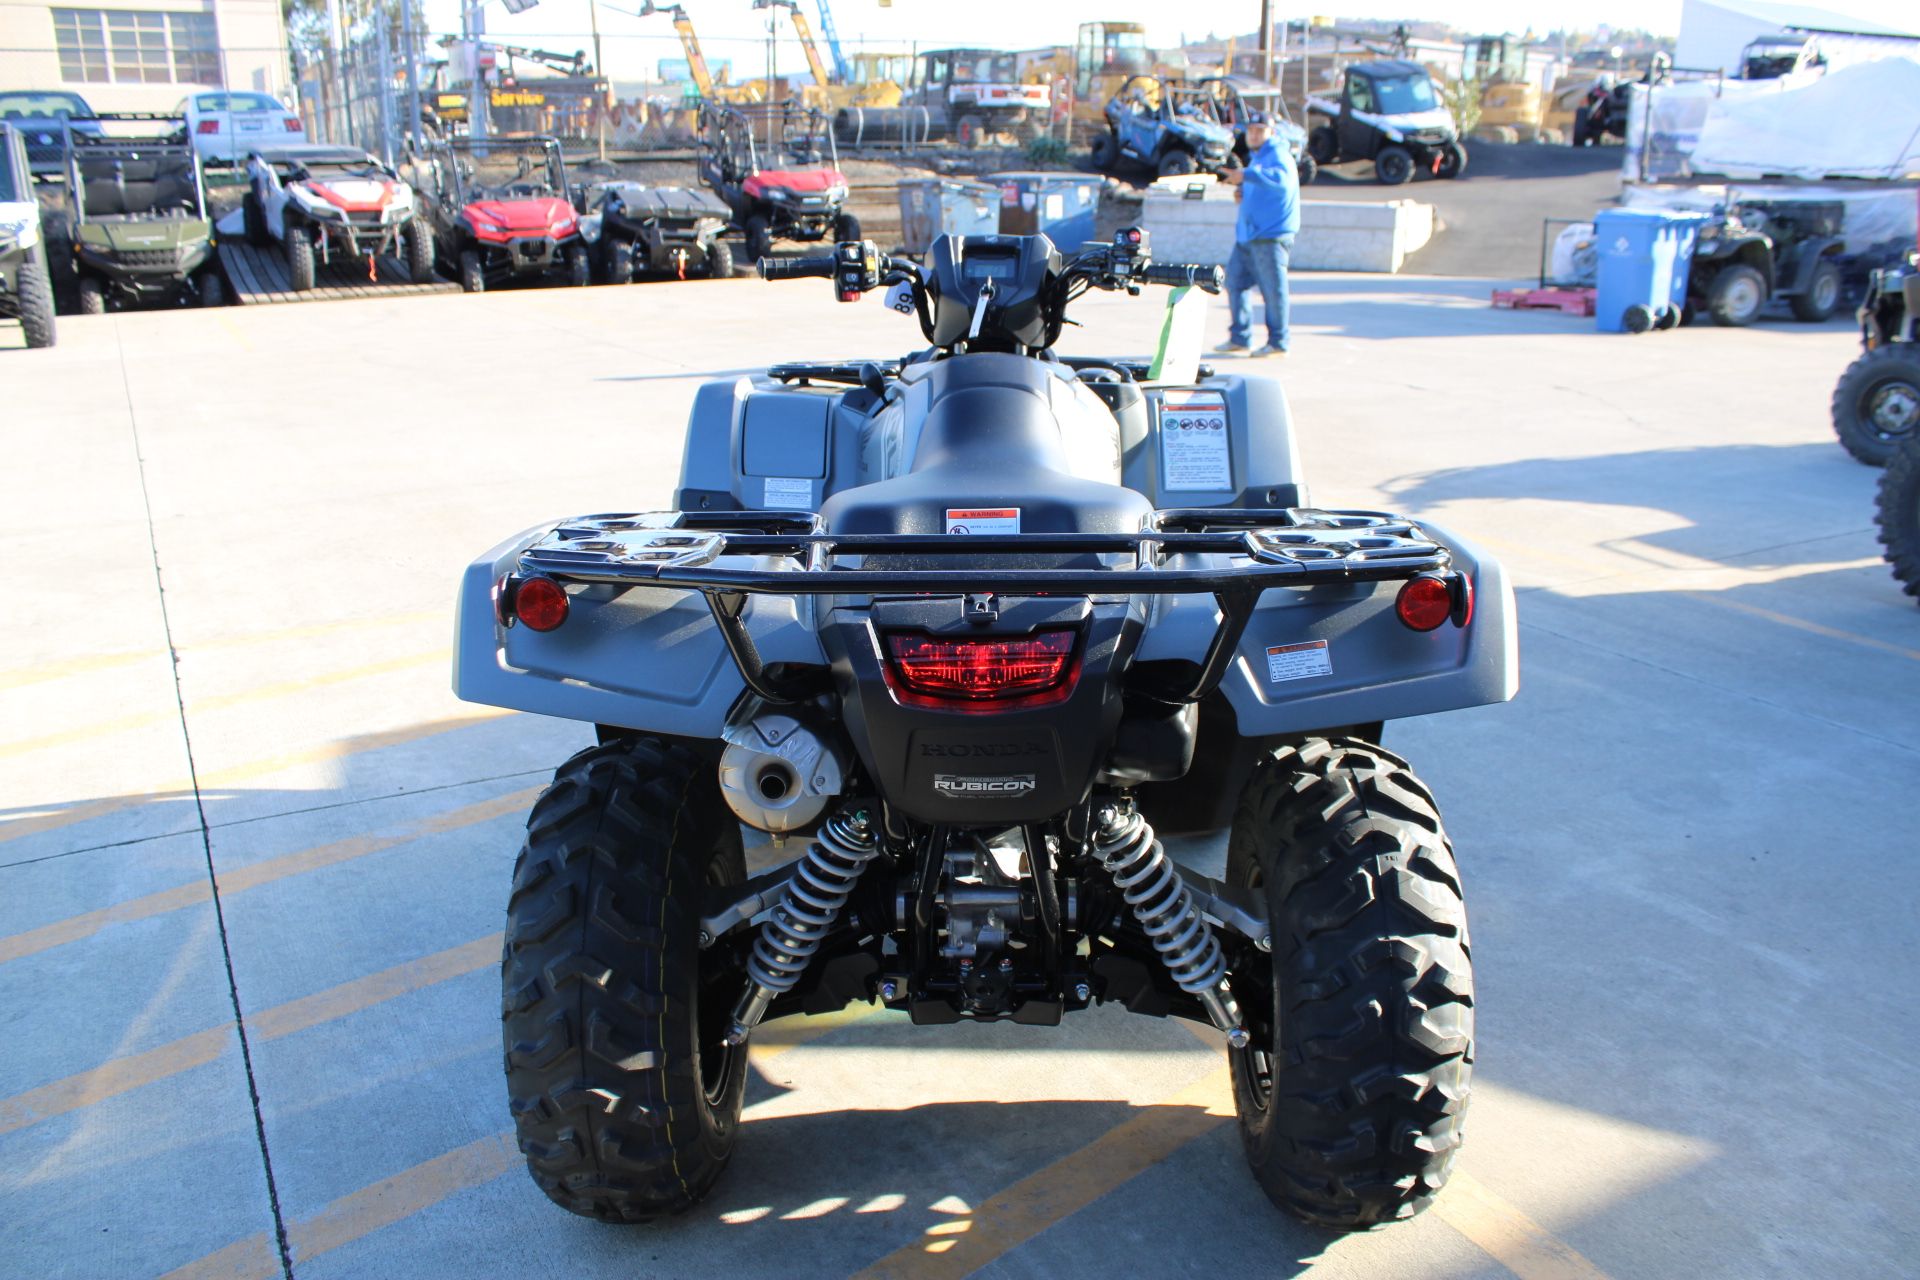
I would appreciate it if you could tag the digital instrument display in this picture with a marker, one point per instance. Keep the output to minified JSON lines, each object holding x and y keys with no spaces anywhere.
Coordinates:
{"x":987,"y":268}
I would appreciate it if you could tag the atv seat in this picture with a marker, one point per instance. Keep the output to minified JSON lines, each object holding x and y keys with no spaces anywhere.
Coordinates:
{"x":990,"y":440}
{"x":132,"y":186}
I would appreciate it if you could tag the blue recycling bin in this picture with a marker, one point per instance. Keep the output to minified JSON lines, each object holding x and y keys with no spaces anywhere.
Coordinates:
{"x":935,"y":207}
{"x":1645,"y":256}
{"x":1063,"y":206}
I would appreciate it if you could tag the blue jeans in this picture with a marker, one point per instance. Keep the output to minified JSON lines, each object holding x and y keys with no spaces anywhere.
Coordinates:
{"x":1260,"y":264}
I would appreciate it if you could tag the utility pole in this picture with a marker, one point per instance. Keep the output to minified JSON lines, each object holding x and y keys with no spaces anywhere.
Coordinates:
{"x":413,"y":74}
{"x":600,"y":73}
{"x":1266,"y":41}
{"x":477,"y":87}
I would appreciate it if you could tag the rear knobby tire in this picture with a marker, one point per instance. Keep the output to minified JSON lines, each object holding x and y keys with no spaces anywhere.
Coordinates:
{"x":1104,"y":151}
{"x":35,"y":302}
{"x":1821,"y":297}
{"x":620,"y":262}
{"x":1876,"y":403}
{"x":419,"y":237}
{"x":625,"y":1101}
{"x":1352,"y":1094}
{"x":720,"y":260}
{"x":1899,"y":514}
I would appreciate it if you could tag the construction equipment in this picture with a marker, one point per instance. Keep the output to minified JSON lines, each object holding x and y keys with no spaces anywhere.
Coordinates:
{"x":689,"y":44}
{"x":842,"y":70}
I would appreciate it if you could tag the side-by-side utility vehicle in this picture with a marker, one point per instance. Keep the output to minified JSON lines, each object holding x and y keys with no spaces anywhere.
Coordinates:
{"x":970,"y":631}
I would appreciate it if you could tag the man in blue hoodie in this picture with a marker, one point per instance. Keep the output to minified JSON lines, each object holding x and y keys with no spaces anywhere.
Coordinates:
{"x":1263,"y":237}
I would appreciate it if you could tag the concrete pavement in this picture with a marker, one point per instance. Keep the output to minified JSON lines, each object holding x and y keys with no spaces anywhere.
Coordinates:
{"x":1688,"y":844}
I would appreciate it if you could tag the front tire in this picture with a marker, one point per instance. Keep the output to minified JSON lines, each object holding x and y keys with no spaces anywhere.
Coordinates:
{"x":300,"y":267}
{"x":1104,"y":151}
{"x":1736,"y":296}
{"x":93,"y":296}
{"x":579,"y":270}
{"x":625,"y":1099}
{"x":1453,"y":161}
{"x":473,"y":272}
{"x":1177,"y":164}
{"x":1323,"y":144}
{"x":1899,"y":515}
{"x":1876,"y":404}
{"x":720,"y":260}
{"x":211,"y":289}
{"x":1308,"y":169}
{"x":620,"y":262}
{"x":419,"y":252}
{"x":759,"y":238}
{"x":1821,"y":298}
{"x":36,"y":305}
{"x":1352,"y":1094}
{"x":1393,"y":166}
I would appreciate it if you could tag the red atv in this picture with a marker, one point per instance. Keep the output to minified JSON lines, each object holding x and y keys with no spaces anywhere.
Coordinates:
{"x":501,"y":208}
{"x":777,"y":168}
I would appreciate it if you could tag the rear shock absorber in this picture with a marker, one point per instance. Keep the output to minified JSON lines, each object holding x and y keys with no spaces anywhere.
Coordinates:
{"x":822,"y":880}
{"x":1151,"y":884}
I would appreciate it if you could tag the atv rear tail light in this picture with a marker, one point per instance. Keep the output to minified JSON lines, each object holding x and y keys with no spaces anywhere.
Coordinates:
{"x":982,"y":673}
{"x":208,"y":126}
{"x":541,"y":603}
{"x":1429,"y":600}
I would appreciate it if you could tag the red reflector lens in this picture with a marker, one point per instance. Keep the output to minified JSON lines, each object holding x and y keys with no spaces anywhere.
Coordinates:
{"x":293,"y":125}
{"x":1424,"y":603}
{"x":540,"y":603}
{"x":984,"y":668}
{"x":209,"y":126}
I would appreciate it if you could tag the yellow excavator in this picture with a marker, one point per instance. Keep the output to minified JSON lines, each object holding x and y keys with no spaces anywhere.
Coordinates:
{"x":827,"y":93}
{"x":703,"y":81}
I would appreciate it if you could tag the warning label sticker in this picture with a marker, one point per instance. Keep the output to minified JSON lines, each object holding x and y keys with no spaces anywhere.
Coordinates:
{"x":787,"y":494}
{"x":977,"y":520}
{"x":1298,"y":661}
{"x":1194,"y":442}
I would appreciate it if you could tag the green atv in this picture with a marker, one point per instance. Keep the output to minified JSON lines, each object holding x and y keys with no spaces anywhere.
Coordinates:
{"x":1764,"y":249}
{"x":1876,"y":405}
{"x":26,"y":292}
{"x":140,"y":231}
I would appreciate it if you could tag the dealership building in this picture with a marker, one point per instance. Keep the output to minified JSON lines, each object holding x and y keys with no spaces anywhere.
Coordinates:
{"x":144,"y":55}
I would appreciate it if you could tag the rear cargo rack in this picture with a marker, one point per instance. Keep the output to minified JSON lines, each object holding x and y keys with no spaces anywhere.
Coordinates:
{"x":1297,"y":547}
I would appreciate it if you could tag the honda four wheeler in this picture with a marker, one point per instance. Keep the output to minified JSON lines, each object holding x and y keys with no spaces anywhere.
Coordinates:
{"x":322,"y":201}
{"x":672,"y":230}
{"x":1389,"y":113}
{"x":138,"y":223}
{"x":1762,"y":249}
{"x":777,"y":167}
{"x":501,"y":209}
{"x":972,"y":629}
{"x":1876,"y":406}
{"x":1170,"y":126}
{"x":26,"y":290}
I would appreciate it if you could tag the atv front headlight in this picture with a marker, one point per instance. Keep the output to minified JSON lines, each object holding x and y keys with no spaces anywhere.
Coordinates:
{"x":488,"y":227}
{"x":837,"y":193}
{"x":779,"y":193}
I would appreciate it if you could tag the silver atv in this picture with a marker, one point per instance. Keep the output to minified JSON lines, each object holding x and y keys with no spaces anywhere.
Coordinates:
{"x":966,"y":634}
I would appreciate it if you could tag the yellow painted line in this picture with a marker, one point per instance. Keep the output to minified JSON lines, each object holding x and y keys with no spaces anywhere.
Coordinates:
{"x":240,"y":879}
{"x":100,"y":662}
{"x":962,"y":1245}
{"x":1507,"y":1235}
{"x":123,"y":1075}
{"x":279,"y":689}
{"x":381,"y":1204}
{"x":18,"y":828}
{"x":1801,"y":624}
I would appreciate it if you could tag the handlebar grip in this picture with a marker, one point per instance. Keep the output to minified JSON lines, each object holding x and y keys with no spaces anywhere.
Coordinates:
{"x":1184,"y":275}
{"x":818,"y":264}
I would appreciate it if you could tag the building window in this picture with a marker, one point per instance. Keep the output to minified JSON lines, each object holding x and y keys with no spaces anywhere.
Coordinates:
{"x":128,"y":46}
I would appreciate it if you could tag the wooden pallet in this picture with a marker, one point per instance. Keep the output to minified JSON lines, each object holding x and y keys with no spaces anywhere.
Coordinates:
{"x":1574,"y":302}
{"x":259,"y":275}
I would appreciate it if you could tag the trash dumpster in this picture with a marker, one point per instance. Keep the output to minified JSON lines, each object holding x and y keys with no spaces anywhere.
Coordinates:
{"x":1064,"y":206}
{"x":935,"y":207}
{"x":1644,"y":257}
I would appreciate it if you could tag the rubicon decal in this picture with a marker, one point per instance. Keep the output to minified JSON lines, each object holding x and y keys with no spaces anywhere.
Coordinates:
{"x":962,"y":784}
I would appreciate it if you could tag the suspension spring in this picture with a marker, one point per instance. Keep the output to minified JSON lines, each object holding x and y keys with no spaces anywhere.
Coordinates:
{"x":817,"y":891}
{"x":1151,"y":885}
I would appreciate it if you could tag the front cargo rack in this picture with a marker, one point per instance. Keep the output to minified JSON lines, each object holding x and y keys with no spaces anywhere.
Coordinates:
{"x":1298,"y":547}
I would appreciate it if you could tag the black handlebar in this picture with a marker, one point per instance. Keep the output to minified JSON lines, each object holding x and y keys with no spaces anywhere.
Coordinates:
{"x":817,"y":264}
{"x":1183,"y":275}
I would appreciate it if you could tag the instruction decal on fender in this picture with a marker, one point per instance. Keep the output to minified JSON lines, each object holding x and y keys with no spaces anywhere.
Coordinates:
{"x":785,"y":493}
{"x":1194,"y":449}
{"x":976,"y":520}
{"x":1298,"y":661}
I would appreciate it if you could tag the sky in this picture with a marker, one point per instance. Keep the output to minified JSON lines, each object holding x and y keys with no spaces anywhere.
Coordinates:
{"x":732,"y":29}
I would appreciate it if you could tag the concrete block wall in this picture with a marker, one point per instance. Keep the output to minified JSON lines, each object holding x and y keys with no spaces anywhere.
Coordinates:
{"x":1334,"y":235}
